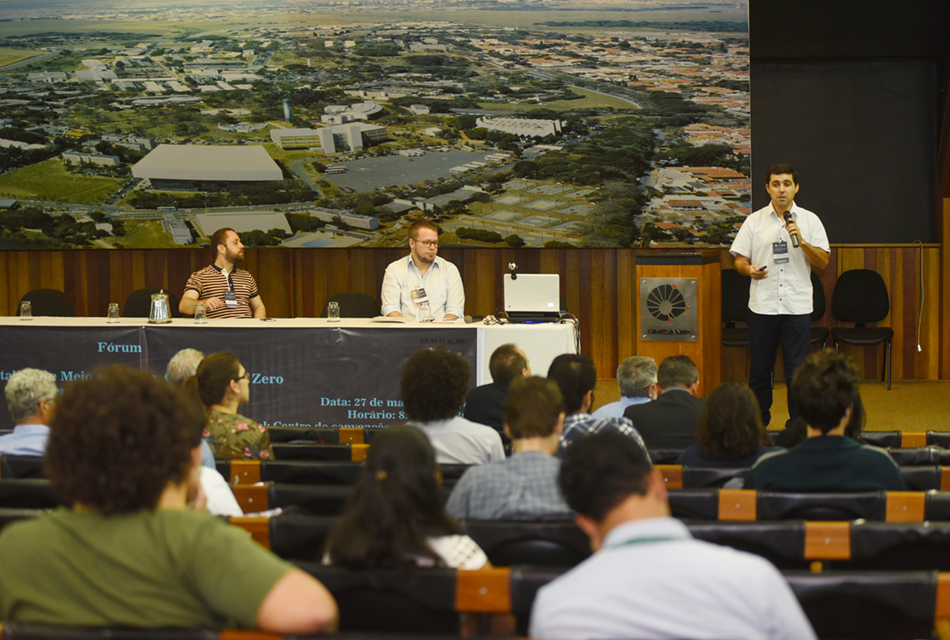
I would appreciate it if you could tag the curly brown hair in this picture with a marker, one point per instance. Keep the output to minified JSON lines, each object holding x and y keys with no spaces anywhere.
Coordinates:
{"x":118,"y":438}
{"x":434,"y":384}
{"x":730,"y":425}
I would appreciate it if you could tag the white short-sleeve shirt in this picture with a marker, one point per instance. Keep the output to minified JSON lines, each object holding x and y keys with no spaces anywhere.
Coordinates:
{"x":787,"y":288}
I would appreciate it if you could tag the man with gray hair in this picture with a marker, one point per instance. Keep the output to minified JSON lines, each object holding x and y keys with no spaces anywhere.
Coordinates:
{"x":182,"y":366}
{"x":669,"y":422}
{"x":30,"y":395}
{"x":636,"y":377}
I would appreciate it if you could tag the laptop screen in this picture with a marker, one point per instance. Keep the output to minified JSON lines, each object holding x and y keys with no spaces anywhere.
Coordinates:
{"x":530,"y":292}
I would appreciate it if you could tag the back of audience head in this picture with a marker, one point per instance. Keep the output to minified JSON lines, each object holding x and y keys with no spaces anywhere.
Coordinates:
{"x":602,"y":469}
{"x":434,"y":384}
{"x":26,"y":391}
{"x":677,"y":371}
{"x":213,"y":377}
{"x":395,"y":506}
{"x":575,"y":376}
{"x":119,"y":438}
{"x":730,"y":425}
{"x":533,"y":408}
{"x":182,"y":366}
{"x":506,"y":363}
{"x":825,"y":388}
{"x":635,"y":376}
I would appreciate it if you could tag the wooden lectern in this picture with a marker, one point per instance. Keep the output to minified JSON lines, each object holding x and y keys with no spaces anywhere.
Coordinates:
{"x":669,"y":285}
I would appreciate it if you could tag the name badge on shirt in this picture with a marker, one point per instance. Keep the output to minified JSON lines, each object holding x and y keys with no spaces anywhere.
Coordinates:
{"x":419,"y":296}
{"x":230,"y":301}
{"x":780,"y":252}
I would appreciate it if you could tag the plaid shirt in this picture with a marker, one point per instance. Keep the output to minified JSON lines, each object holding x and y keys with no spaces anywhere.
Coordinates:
{"x":578,"y":424}
{"x":522,"y":487}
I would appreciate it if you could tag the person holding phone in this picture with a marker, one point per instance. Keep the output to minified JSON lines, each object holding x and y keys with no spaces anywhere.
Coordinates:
{"x":777,"y":247}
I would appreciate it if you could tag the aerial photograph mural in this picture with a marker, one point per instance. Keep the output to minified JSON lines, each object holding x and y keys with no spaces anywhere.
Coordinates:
{"x":336,"y":123}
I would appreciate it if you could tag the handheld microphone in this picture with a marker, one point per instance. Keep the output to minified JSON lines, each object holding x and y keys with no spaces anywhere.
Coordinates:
{"x":513,"y":268}
{"x":788,"y":218}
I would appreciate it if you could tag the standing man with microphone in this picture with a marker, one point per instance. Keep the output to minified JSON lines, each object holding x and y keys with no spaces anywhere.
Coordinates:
{"x":776,"y":247}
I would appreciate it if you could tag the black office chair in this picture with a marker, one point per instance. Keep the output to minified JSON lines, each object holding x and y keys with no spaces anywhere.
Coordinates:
{"x":819,"y":335}
{"x":48,"y":302}
{"x":139,"y":303}
{"x":860,"y":297}
{"x":354,"y":304}
{"x":735,"y":308}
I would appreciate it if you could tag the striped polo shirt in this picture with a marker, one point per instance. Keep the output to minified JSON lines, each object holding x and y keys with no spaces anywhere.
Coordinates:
{"x":211,"y":282}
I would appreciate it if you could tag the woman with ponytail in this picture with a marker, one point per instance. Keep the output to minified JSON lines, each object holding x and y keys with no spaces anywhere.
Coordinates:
{"x":395,"y":516}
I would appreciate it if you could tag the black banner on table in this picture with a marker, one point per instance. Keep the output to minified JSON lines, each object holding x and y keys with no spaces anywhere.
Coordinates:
{"x":69,"y":353}
{"x":316,"y":377}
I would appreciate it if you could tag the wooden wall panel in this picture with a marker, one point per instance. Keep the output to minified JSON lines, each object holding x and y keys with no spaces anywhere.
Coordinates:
{"x":597,"y":285}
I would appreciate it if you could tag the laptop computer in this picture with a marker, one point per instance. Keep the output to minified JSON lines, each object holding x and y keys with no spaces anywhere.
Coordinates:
{"x":533,"y":297}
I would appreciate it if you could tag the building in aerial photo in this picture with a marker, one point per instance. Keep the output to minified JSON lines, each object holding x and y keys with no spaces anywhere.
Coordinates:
{"x":188,"y":164}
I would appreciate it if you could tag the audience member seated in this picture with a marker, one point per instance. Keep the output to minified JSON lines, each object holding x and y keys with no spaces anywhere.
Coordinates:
{"x":30,"y":394}
{"x":669,"y":422}
{"x":636,"y":377}
{"x":730,"y":431}
{"x":433,"y":387}
{"x":394,"y":517}
{"x":825,"y":388}
{"x":222,"y":384}
{"x":220,"y":499}
{"x":523,"y":487}
{"x":182,"y":366}
{"x":648,"y":578}
{"x":575,"y":377}
{"x":795,"y":431}
{"x":133,"y":550}
{"x":486,"y":404}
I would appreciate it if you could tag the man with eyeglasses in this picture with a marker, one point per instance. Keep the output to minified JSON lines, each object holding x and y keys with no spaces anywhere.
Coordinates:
{"x":423,"y":277}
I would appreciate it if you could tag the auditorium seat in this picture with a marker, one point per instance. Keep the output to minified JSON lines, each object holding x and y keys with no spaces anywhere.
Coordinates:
{"x":774,"y":505}
{"x":920,"y":456}
{"x":695,"y":504}
{"x":315,"y":499}
{"x":300,"y":537}
{"x":15,"y":631}
{"x":321,"y":435}
{"x":302,"y":435}
{"x":22,"y":467}
{"x":884,"y":439}
{"x":314,"y":451}
{"x":665,"y":456}
{"x":28,"y":494}
{"x":701,"y":477}
{"x":781,"y":543}
{"x":926,"y":478}
{"x":391,"y":601}
{"x":886,"y":546}
{"x":310,"y":472}
{"x":863,"y":605}
{"x":506,"y":542}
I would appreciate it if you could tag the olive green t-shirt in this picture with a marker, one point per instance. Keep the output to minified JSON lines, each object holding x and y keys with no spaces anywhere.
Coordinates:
{"x":161,"y":568}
